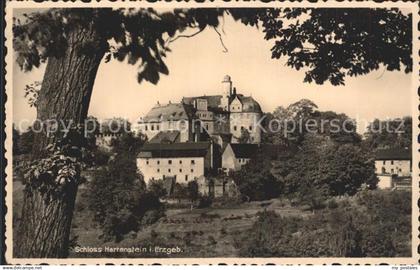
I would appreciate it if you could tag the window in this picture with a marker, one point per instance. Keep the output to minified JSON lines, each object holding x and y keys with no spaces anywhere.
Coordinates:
{"x":169,"y":170}
{"x":250,"y":127}
{"x":384,"y":162}
{"x":169,"y":161}
{"x":158,"y":162}
{"x":235,"y":128}
{"x":158,"y":170}
{"x":192,"y":161}
{"x":180,"y":162}
{"x":192,"y":170}
{"x":157,"y":127}
{"x":152,"y":127}
{"x":186,"y":177}
{"x":392,"y":162}
{"x":383,"y":170}
{"x":147,"y":161}
{"x":392,"y":171}
{"x":145,"y":127}
{"x":180,"y":170}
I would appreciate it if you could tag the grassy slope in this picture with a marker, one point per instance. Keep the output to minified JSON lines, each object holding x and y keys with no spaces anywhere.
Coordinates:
{"x":199,"y":233}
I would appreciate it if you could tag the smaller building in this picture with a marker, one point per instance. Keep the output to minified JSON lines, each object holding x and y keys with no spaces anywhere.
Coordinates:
{"x":104,"y":140}
{"x":236,"y":155}
{"x":393,"y":167}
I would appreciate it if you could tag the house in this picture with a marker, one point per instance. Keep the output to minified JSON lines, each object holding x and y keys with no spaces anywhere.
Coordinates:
{"x":182,"y":161}
{"x":104,"y":140}
{"x":236,"y":155}
{"x":393,"y":167}
{"x":169,"y":117}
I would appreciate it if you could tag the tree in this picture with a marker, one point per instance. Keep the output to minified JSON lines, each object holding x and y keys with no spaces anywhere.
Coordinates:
{"x":255,"y":180}
{"x":25,"y":141}
{"x":15,"y":139}
{"x":117,"y":188}
{"x":75,"y":41}
{"x":328,"y":166}
{"x":193,"y":192}
{"x":116,"y":125}
{"x":331,"y":44}
{"x":393,"y":133}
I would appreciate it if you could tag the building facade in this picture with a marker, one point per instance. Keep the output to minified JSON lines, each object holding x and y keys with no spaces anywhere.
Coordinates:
{"x":393,"y":167}
{"x":182,"y":161}
{"x":237,"y":155}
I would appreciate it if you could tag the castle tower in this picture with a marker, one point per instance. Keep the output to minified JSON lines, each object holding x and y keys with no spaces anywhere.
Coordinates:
{"x":227,"y":86}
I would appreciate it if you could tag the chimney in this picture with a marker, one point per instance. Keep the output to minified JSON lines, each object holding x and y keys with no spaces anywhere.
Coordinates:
{"x":234,"y":90}
{"x":227,"y":86}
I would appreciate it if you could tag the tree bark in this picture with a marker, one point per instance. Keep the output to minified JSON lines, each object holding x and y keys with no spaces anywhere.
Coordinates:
{"x":64,"y":96}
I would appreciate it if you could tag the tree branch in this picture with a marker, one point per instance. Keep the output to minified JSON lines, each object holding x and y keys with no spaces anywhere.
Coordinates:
{"x":225,"y":50}
{"x":186,"y":36}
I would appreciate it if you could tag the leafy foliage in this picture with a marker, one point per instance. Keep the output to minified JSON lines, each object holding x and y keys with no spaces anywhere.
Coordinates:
{"x":32,"y":92}
{"x":322,"y":164}
{"x":331,"y":44}
{"x":255,"y":180}
{"x":122,"y":203}
{"x":394,"y":133}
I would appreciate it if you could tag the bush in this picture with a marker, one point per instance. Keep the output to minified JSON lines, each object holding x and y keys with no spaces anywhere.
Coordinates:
{"x":204,"y":202}
{"x":376,"y":224}
{"x":119,"y":200}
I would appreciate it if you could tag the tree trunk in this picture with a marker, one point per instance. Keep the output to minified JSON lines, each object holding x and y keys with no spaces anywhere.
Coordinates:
{"x":64,"y":96}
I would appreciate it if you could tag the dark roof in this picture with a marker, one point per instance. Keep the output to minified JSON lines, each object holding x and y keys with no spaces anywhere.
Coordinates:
{"x":244,"y":150}
{"x":212,"y":101}
{"x":166,"y":137}
{"x":187,"y":149}
{"x":278,"y":151}
{"x":274,"y":151}
{"x":393,"y":154}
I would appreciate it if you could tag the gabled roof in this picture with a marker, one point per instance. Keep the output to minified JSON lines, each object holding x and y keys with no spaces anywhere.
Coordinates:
{"x":249,"y":104}
{"x":188,"y":149}
{"x":273,"y":151}
{"x":172,"y":111}
{"x":166,"y":137}
{"x":393,"y":154}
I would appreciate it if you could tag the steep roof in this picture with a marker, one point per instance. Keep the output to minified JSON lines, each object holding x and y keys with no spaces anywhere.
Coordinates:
{"x":152,"y":150}
{"x":169,"y":136}
{"x":171,"y":111}
{"x":273,"y":151}
{"x":213,"y":102}
{"x":249,"y":104}
{"x":393,"y":154}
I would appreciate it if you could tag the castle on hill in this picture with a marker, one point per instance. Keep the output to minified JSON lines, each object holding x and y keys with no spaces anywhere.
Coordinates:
{"x":200,"y":136}
{"x":224,"y":117}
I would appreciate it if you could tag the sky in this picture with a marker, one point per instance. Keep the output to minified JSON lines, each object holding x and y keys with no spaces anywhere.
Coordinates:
{"x":197,"y":66}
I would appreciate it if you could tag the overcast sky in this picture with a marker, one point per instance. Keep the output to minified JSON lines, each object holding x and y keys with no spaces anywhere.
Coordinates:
{"x":197,"y":66}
